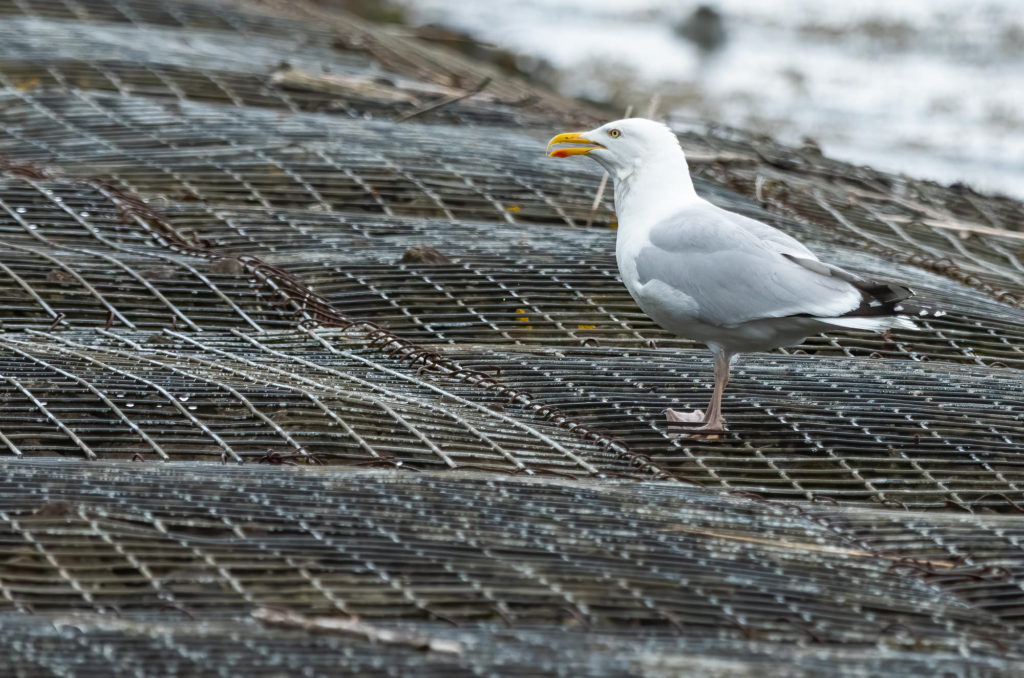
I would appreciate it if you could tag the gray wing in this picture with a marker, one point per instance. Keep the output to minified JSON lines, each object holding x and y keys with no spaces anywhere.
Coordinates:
{"x":772,"y":237}
{"x":727,"y":275}
{"x":786,"y":245}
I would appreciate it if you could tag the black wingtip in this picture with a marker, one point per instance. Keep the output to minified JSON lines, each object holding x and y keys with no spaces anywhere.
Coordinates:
{"x":886,"y":293}
{"x":879,"y":299}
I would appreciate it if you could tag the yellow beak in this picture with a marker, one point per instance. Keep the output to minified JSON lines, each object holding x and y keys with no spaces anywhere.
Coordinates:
{"x":571,"y":138}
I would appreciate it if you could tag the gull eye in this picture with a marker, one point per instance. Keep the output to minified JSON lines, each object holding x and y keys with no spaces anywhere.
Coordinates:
{"x":614,"y":133}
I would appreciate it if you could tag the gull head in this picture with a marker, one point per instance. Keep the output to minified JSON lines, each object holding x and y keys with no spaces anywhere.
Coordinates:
{"x":645,"y":162}
{"x":622,"y":145}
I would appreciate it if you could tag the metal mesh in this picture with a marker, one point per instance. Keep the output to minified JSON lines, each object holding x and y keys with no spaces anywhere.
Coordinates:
{"x":209,"y":256}
{"x":197,"y":649}
{"x":81,"y":258}
{"x":821,"y":429}
{"x":156,"y":551}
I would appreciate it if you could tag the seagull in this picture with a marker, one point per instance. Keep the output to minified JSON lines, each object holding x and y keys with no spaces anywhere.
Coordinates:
{"x":704,"y":273}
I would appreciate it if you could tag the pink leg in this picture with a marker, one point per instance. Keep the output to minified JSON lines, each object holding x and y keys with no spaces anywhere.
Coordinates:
{"x":712,"y":419}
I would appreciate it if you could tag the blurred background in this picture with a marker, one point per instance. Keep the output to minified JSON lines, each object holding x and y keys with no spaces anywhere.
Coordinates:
{"x":931,"y":88}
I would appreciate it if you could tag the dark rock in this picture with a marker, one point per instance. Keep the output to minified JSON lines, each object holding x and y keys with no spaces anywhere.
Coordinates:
{"x":705,"y":28}
{"x":228,"y":266}
{"x":423,"y":255}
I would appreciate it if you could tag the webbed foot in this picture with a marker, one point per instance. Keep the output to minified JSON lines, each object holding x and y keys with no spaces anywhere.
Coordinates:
{"x":708,"y":429}
{"x":695,"y":417}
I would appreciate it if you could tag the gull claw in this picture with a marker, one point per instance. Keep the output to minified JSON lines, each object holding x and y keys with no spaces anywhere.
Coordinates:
{"x":708,"y":430}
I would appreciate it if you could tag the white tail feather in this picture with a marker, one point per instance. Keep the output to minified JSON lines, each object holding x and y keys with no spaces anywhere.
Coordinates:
{"x":875,"y":323}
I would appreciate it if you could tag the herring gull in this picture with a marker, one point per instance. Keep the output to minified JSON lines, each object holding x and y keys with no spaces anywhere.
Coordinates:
{"x":711,"y":275}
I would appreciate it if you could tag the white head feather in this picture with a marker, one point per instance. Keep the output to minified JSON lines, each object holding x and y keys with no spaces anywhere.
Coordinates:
{"x":648,"y":166}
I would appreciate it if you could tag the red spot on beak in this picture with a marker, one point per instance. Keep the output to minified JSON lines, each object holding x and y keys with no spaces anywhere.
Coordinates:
{"x":560,"y":154}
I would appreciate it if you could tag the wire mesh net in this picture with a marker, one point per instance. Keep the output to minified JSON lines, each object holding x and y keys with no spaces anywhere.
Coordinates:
{"x":628,"y":571}
{"x":83,"y":256}
{"x":220,"y":251}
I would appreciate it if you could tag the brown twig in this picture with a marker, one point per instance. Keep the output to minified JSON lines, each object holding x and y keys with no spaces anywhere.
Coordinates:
{"x":444,"y":102}
{"x":353,"y":627}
